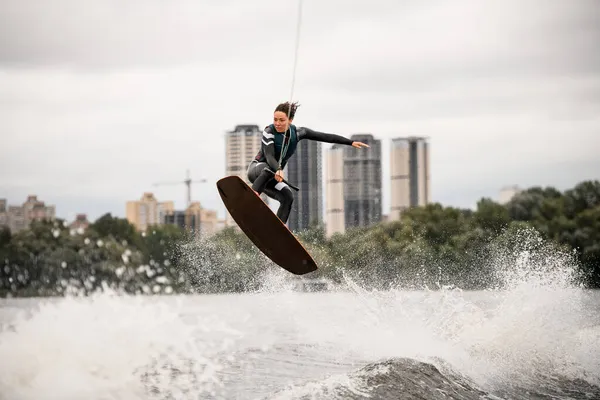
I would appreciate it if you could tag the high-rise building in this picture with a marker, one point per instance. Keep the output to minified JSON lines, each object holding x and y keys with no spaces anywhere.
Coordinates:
{"x":410,"y":174}
{"x":147,"y":211}
{"x":36,"y":210}
{"x":304,"y":170}
{"x":362,"y":182}
{"x":196,"y":219}
{"x":201,"y":220}
{"x":241,"y":146}
{"x":18,"y":218}
{"x":334,"y":184}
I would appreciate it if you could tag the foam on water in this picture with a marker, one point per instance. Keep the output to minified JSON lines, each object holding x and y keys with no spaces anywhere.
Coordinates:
{"x":109,"y":347}
{"x":535,"y":326}
{"x":325,"y":387}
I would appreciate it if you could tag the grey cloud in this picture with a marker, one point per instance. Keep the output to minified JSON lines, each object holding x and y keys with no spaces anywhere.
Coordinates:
{"x":472,"y":106}
{"x":98,"y":34}
{"x":560,"y":41}
{"x":394,"y":77}
{"x":506,"y":59}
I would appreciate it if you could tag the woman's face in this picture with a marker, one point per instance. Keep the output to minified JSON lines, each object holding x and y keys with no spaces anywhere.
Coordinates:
{"x":281,"y":121}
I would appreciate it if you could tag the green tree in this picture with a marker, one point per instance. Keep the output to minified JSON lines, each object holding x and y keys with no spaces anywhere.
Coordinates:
{"x":525,"y":206}
{"x":430,"y":246}
{"x":585,"y":195}
{"x":119,"y":228}
{"x":491,"y":216}
{"x":586,"y":240}
{"x":5,"y":236}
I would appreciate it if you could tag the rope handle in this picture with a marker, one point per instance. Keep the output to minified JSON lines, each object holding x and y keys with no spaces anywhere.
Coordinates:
{"x":284,"y":181}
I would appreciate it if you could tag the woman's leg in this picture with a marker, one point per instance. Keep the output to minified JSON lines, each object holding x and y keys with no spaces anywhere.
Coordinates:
{"x":259,"y":175}
{"x":283,"y":194}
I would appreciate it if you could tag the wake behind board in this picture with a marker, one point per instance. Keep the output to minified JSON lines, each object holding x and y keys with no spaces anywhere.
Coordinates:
{"x":263,"y":227}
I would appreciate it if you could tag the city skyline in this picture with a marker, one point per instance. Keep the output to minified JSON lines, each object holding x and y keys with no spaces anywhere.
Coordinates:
{"x":179,"y":200}
{"x":509,"y":92}
{"x":353,"y":182}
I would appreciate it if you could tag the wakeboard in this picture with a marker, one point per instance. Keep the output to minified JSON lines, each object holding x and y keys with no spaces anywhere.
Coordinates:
{"x":268,"y":233}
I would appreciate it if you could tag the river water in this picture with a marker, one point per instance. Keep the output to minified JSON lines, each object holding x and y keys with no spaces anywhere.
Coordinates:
{"x":528,"y":341}
{"x":535,"y":334}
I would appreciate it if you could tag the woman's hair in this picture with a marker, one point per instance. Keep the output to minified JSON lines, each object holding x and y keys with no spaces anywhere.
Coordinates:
{"x":285,"y":108}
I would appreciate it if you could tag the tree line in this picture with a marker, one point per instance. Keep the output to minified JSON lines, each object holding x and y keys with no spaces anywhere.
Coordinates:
{"x":541,"y":231}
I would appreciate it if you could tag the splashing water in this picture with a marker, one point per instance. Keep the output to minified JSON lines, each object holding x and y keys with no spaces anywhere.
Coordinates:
{"x":535,"y":332}
{"x":529,"y":261}
{"x":110,"y":347}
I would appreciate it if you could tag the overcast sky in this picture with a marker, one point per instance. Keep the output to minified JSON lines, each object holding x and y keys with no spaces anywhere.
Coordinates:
{"x":100,"y":99}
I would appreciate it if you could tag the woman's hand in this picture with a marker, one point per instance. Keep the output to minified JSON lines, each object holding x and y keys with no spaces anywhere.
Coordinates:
{"x":358,"y":145}
{"x":279,"y":175}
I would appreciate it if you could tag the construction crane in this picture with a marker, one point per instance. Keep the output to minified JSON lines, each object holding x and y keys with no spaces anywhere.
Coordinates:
{"x":188,"y":182}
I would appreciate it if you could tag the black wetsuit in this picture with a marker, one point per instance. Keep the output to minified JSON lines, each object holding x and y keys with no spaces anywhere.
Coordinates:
{"x":269,"y":158}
